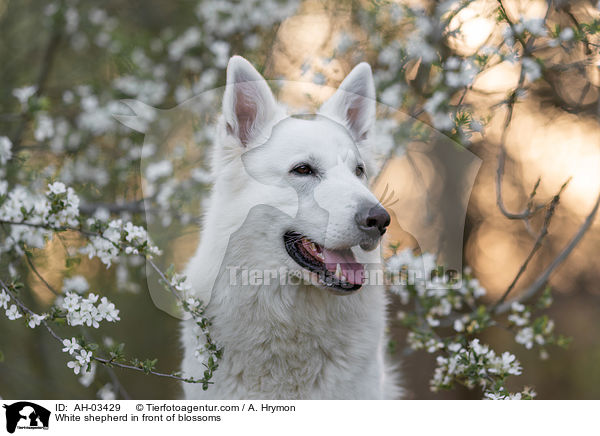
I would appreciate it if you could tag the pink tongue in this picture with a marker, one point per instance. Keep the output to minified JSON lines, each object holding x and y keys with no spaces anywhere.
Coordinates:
{"x":352,"y":270}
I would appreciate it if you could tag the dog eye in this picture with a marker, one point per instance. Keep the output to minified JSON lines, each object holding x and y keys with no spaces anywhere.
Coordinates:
{"x":303,"y":170}
{"x":359,"y":171}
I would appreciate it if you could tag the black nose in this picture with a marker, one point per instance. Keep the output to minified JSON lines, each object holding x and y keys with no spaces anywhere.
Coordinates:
{"x":373,"y":218}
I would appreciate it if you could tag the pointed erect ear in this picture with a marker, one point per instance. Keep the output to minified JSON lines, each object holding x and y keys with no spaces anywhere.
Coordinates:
{"x":248,"y":104}
{"x":353,"y":104}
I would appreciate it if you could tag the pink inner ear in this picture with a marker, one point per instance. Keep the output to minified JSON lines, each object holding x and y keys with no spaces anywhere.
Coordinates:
{"x":352,"y":115}
{"x":246,"y":109}
{"x":355,"y":118}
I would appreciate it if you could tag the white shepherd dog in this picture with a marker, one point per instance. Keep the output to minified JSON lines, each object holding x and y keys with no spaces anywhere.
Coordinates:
{"x":290,"y":240}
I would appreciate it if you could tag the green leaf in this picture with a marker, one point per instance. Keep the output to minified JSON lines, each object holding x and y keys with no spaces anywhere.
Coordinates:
{"x":72,"y":261}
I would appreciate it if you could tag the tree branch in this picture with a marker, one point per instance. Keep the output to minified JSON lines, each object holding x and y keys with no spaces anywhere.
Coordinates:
{"x":537,"y":244}
{"x":107,"y":362}
{"x":39,"y":276}
{"x":540,"y":282}
{"x":45,"y":68}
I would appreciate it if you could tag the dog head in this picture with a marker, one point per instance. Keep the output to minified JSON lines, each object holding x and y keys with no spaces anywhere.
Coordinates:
{"x":312,"y":170}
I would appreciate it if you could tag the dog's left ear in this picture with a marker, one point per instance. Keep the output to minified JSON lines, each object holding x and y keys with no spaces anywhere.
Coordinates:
{"x":248,"y":103}
{"x":353,"y":104}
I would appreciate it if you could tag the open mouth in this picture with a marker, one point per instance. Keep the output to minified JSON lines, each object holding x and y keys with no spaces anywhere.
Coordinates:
{"x":338,"y":270}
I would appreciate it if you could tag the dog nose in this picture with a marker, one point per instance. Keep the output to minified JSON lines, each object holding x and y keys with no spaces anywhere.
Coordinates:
{"x":373,"y":218}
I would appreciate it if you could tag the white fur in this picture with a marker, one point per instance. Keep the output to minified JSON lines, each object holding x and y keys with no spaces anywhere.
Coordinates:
{"x":287,"y":341}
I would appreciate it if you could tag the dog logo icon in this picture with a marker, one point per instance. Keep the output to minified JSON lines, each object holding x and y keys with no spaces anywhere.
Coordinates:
{"x":26,"y":415}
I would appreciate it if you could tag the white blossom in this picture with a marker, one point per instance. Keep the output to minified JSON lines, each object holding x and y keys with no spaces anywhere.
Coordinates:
{"x":517,"y":307}
{"x":13,"y":313}
{"x":501,"y":396}
{"x":525,"y":337}
{"x":519,"y":319}
{"x":87,"y":377}
{"x":108,"y":311}
{"x":4,"y":299}
{"x":432,"y":345}
{"x":84,"y":357}
{"x":106,"y":247}
{"x":70,"y":346}
{"x":97,"y":16}
{"x":506,"y":363}
{"x":459,"y":326}
{"x":76,"y":283}
{"x":179,"y":283}
{"x":74,"y":365}
{"x":193,"y":303}
{"x":432,"y":104}
{"x":44,"y":128}
{"x":460,"y":73}
{"x":158,"y":170}
{"x":187,"y":40}
{"x":102,"y":249}
{"x":200,"y":175}
{"x":149,"y":91}
{"x":432,"y":321}
{"x":532,"y":69}
{"x":69,"y":212}
{"x":392,"y":96}
{"x":418,"y":47}
{"x":57,"y":188}
{"x":476,"y":125}
{"x":23,"y":94}
{"x":221,"y":51}
{"x":82,"y":360}
{"x":344,"y":42}
{"x":72,"y":20}
{"x":5,"y":150}
{"x":535,"y":26}
{"x":107,"y":393}
{"x":566,"y":34}
{"x":82,"y":311}
{"x":35,"y":320}
{"x":455,"y":347}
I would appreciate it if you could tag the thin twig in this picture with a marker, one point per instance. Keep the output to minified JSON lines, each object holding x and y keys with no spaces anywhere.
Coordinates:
{"x":39,"y":276}
{"x":541,"y":281}
{"x":588,"y":50}
{"x":28,"y":310}
{"x":536,"y":246}
{"x":54,"y":229}
{"x":529,"y":211}
{"x":502,"y":157}
{"x":44,"y":73}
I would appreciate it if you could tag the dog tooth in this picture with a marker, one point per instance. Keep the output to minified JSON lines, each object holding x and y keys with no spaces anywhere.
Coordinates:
{"x":320,"y":256}
{"x":338,"y":271}
{"x":313,"y":247}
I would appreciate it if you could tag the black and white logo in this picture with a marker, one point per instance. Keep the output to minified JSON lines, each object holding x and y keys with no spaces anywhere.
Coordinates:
{"x":26,"y":415}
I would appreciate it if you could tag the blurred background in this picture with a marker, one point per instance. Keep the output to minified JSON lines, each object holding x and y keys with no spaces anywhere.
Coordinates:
{"x":83,"y":57}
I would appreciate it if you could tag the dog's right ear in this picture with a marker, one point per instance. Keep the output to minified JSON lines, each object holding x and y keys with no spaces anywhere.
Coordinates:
{"x":248,"y":104}
{"x":353,"y":104}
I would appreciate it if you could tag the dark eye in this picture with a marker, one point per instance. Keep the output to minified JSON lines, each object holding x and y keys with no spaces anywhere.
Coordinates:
{"x":359,"y":171}
{"x":303,"y":170}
